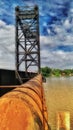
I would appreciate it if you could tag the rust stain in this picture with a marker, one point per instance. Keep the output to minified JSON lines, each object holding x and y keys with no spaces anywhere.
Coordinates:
{"x":63,"y":120}
{"x":24,"y":108}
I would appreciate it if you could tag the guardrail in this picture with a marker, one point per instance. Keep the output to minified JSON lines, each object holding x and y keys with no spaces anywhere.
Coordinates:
{"x":24,"y":108}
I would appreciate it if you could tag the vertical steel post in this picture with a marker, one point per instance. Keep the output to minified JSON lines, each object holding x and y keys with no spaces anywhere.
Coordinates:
{"x":27,"y":39}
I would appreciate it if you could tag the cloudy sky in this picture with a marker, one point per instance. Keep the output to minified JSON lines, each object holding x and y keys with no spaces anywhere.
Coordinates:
{"x":56,"y":32}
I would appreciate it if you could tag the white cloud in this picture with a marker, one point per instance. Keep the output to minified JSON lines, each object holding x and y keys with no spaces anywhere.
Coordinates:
{"x":59,"y":58}
{"x":67,"y":23}
{"x":49,"y":57}
{"x":2,"y":23}
{"x":7,"y":46}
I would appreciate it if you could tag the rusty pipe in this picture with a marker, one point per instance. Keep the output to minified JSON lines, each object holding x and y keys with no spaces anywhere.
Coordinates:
{"x":24,"y":107}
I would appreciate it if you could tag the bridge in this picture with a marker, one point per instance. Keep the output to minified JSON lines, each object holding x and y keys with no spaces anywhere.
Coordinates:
{"x":22,"y":101}
{"x":27,"y":41}
{"x":24,"y":108}
{"x":27,"y":45}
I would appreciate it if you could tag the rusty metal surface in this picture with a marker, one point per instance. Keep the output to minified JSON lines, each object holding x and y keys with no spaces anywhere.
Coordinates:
{"x":27,"y":100}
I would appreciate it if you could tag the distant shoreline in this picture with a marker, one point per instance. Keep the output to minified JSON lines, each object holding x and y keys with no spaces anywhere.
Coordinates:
{"x":50,"y":72}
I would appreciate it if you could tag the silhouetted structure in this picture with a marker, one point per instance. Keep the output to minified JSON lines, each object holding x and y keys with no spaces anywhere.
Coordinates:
{"x":27,"y":40}
{"x":27,"y":49}
{"x":8,"y":78}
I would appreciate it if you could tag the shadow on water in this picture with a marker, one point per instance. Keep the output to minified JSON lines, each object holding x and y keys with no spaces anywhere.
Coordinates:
{"x":59,"y":97}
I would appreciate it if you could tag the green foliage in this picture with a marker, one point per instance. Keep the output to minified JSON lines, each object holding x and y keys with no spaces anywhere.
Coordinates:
{"x":67,"y":72}
{"x":46,"y":71}
{"x":56,"y":72}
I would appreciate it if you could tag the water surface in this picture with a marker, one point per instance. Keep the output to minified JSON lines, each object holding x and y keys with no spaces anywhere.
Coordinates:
{"x":59,"y":97}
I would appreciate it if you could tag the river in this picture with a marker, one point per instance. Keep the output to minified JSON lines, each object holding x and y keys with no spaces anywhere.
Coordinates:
{"x":59,"y":97}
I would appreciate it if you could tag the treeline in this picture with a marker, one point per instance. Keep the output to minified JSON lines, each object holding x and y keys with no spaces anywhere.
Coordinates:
{"x":46,"y":71}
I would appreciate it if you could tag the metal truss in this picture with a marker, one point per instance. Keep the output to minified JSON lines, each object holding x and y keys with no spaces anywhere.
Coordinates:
{"x":27,"y":39}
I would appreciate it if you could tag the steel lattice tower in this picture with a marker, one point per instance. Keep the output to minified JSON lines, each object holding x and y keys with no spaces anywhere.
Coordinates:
{"x":27,"y":39}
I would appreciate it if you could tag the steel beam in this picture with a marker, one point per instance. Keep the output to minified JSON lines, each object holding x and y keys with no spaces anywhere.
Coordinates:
{"x":27,"y":39}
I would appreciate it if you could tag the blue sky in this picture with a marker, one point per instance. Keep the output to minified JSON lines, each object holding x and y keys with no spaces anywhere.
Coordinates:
{"x":56,"y":32}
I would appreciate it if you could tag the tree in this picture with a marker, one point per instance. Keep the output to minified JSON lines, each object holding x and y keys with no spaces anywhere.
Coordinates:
{"x":46,"y":71}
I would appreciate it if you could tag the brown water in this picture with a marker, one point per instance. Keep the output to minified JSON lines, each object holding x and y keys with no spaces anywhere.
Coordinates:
{"x":59,"y":97}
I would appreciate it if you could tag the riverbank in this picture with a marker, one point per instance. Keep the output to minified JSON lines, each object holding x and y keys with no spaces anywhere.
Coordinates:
{"x":50,"y":72}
